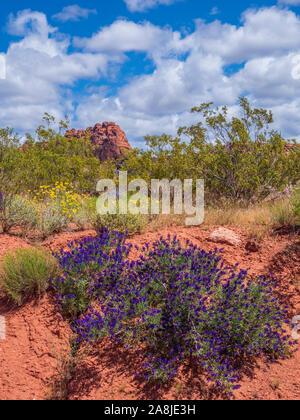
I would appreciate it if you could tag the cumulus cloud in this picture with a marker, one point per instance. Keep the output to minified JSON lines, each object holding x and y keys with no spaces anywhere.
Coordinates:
{"x":29,"y":22}
{"x":74,"y":13}
{"x":290,"y":2}
{"x":125,"y":36}
{"x":142,"y":5}
{"x":40,"y":72}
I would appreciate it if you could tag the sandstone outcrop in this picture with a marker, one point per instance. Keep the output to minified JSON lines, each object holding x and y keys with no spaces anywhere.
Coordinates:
{"x":108,"y":140}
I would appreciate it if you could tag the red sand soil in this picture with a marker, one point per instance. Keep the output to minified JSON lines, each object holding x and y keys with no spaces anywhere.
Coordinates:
{"x":36,"y":334}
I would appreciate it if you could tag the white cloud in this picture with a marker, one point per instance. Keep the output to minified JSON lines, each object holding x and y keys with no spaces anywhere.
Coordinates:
{"x":29,"y":22}
{"x":214,"y":11}
{"x":262,"y":31}
{"x":190,"y":69}
{"x":73,"y":13}
{"x":40,"y":72}
{"x":142,"y":5}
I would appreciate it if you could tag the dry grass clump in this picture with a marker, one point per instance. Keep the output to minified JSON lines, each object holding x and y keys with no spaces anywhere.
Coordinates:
{"x":26,"y":272}
{"x":258,"y":220}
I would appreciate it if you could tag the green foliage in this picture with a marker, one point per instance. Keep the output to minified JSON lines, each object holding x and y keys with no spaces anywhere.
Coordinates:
{"x":86,"y":214}
{"x":46,"y":159}
{"x":26,"y":272}
{"x":17,"y":211}
{"x":9,"y":159}
{"x":240,"y":158}
{"x":163,"y":158}
{"x":51,"y":220}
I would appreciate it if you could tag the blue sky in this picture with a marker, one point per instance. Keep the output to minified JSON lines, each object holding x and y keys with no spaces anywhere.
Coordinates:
{"x":145,"y":63}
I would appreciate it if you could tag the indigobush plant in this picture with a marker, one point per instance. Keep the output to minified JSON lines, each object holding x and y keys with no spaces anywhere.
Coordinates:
{"x":81,"y":265}
{"x":179,"y":303}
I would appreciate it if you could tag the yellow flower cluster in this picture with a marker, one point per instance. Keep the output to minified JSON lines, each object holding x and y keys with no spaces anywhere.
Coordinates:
{"x":61,"y":197}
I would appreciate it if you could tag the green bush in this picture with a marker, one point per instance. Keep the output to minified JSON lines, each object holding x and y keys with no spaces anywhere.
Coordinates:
{"x":181,"y":304}
{"x":130,"y":223}
{"x":45,"y":159}
{"x":17,"y":211}
{"x":9,"y":160}
{"x":26,"y":272}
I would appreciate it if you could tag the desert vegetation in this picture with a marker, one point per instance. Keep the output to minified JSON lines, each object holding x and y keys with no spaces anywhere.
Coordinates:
{"x":174,"y":302}
{"x":49,"y":181}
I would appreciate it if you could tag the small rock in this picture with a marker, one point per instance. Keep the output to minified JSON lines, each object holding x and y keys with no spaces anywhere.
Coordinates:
{"x":252,"y":246}
{"x":225,"y":236}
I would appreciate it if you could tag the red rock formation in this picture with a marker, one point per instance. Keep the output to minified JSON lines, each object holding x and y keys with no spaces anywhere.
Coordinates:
{"x":108,"y":139}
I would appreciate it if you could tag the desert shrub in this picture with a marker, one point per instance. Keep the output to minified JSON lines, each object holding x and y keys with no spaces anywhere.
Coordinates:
{"x":282,"y":213}
{"x":17,"y":211}
{"x":163,"y":157}
{"x":80,"y":266}
{"x":86,"y":213}
{"x":241,"y":158}
{"x":26,"y":272}
{"x":81,"y":218}
{"x":182,"y":303}
{"x":67,"y":201}
{"x":296,"y":205}
{"x":46,"y":158}
{"x":57,"y":206}
{"x":124,"y":223}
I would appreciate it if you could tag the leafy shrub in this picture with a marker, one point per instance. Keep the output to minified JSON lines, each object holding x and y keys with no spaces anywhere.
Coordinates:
{"x":81,"y":265}
{"x":86,"y":213}
{"x":26,"y":272}
{"x":179,"y":303}
{"x":9,"y":159}
{"x":124,"y":223}
{"x":17,"y":211}
{"x":47,"y":158}
{"x":296,"y":205}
